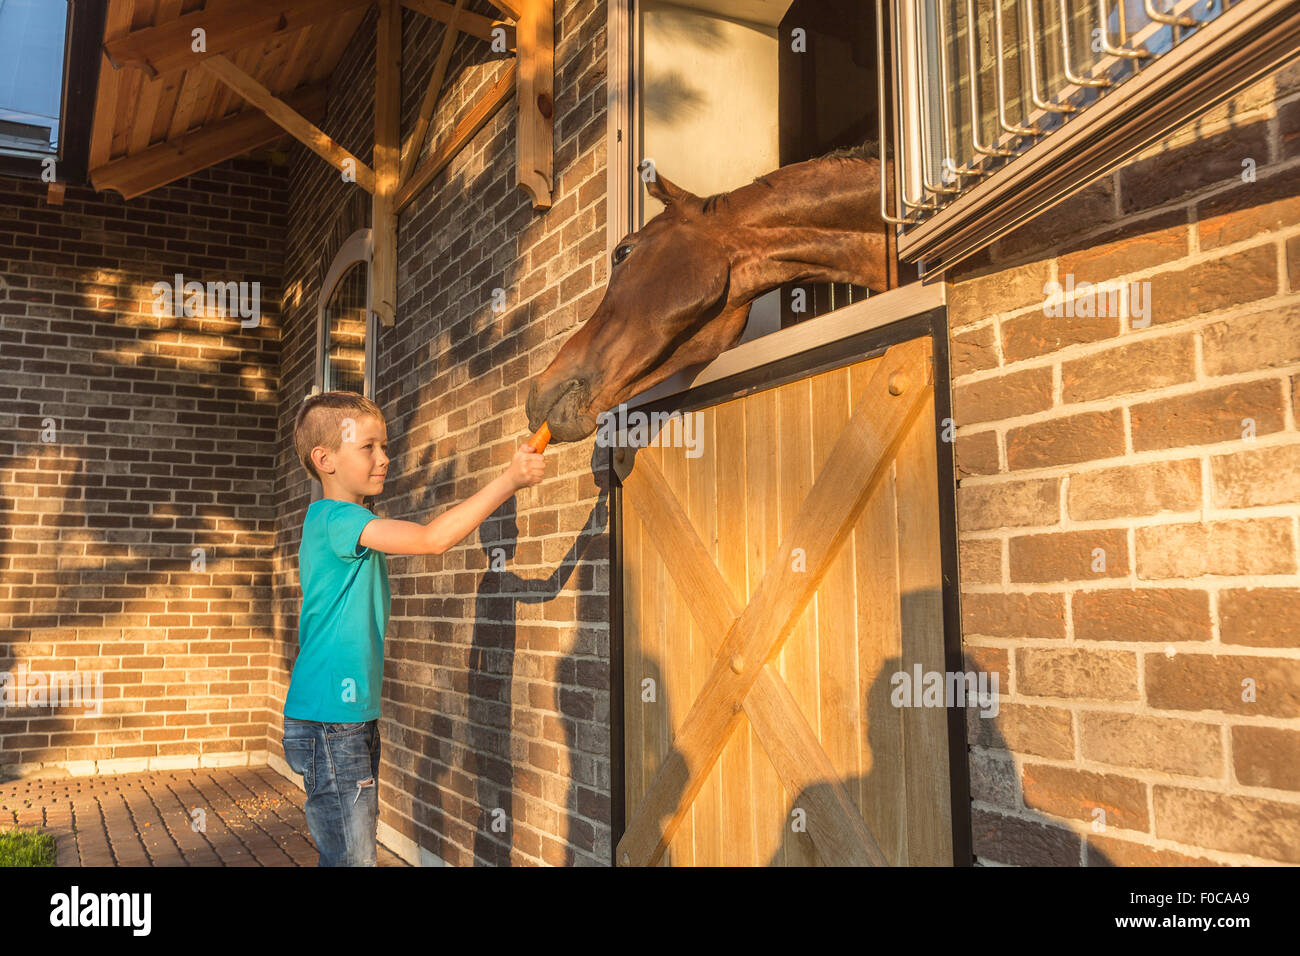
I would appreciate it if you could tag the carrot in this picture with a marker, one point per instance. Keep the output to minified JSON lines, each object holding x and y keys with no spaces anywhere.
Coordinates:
{"x":540,"y":438}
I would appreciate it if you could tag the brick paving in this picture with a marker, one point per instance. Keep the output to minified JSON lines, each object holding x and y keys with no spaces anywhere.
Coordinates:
{"x":251,"y":816}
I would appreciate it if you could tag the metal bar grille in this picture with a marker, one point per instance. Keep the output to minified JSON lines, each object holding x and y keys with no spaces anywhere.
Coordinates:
{"x":977,"y":83}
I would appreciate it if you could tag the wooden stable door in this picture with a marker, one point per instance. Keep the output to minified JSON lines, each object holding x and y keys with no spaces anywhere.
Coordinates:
{"x":771,"y":586}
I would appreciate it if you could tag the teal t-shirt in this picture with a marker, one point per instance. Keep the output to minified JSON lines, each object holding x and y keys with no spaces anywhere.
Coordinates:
{"x":345,"y":604}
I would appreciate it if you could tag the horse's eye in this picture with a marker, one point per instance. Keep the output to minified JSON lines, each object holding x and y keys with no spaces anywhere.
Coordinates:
{"x":622,"y":252}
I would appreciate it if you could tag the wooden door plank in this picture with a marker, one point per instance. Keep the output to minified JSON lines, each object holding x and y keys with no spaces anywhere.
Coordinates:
{"x":798,"y":657}
{"x":754,"y":798}
{"x":881,"y":793}
{"x":838,"y":693}
{"x":721,"y":801}
{"x":634,"y":781}
{"x":759,"y":481}
{"x":920,"y":584}
{"x":658,"y":738}
{"x":823,"y":523}
{"x":677,"y":661}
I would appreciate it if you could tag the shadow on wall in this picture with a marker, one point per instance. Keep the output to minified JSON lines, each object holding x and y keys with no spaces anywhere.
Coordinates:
{"x":107,"y":568}
{"x":489,"y":743}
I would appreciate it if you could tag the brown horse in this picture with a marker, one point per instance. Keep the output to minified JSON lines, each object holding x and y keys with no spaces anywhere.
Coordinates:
{"x":680,"y":289}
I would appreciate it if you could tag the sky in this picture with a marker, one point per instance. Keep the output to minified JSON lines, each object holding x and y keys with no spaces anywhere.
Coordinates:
{"x":31,"y":61}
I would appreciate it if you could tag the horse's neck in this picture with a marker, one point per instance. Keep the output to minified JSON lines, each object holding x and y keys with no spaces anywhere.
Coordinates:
{"x":814,"y":226}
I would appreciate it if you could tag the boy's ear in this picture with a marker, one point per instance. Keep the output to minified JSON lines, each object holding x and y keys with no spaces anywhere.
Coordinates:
{"x":319,"y":456}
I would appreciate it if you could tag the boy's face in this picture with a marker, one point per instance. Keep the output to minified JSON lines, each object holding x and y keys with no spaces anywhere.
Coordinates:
{"x":358,"y":468}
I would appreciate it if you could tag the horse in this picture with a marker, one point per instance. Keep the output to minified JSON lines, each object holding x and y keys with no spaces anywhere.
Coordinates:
{"x":681,"y":287}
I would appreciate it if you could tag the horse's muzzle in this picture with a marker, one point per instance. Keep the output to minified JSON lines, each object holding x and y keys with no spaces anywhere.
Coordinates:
{"x":559,"y":405}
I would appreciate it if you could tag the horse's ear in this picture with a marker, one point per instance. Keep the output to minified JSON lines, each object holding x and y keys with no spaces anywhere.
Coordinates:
{"x":669,"y":193}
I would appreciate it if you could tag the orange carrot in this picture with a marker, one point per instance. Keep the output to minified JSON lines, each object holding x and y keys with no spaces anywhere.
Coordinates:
{"x":540,"y":438}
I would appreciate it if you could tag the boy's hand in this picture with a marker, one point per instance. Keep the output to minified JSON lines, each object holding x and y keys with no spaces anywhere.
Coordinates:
{"x":526,"y":468}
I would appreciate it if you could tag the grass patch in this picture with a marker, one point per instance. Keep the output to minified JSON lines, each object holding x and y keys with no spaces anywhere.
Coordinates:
{"x":26,"y":848}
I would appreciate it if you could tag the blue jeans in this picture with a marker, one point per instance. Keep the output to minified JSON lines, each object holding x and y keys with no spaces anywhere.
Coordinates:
{"x":339,"y":764}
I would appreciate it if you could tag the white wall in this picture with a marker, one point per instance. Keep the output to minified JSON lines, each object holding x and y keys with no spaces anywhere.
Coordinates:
{"x":708,"y":109}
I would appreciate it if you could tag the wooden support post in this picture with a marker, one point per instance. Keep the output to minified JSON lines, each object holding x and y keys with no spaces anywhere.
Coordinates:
{"x":535,"y":127}
{"x":383,"y":221}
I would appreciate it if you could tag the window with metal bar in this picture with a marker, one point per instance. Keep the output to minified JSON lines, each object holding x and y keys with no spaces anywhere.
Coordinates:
{"x":1001,"y":108}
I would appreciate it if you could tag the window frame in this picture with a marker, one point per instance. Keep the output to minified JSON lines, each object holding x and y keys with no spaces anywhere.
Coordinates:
{"x":358,"y":247}
{"x":82,"y":54}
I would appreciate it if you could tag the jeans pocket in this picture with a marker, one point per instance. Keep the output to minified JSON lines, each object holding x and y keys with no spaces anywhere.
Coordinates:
{"x":300,"y":755}
{"x":345,"y":729}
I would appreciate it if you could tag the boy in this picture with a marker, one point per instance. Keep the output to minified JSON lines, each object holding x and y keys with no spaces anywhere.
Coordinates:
{"x":331,"y":712}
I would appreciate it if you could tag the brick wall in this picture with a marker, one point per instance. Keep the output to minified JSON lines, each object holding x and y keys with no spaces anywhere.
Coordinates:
{"x":161,"y":443}
{"x":495,"y":709}
{"x":1129,"y":508}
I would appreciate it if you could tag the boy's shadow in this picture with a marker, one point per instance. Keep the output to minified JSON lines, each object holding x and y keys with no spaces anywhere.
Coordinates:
{"x":490,"y":750}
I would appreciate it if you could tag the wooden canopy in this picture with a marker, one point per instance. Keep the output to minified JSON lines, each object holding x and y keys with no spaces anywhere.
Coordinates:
{"x":187,"y":84}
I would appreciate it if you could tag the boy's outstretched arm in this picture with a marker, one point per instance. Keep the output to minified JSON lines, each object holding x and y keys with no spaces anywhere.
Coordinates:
{"x":393,"y":536}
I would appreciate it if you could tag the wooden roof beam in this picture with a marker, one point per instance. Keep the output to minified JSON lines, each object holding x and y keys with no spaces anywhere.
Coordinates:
{"x":510,"y":8}
{"x":475,"y":24}
{"x":415,"y":141}
{"x":170,"y":46}
{"x":474,"y":120}
{"x":174,"y":159}
{"x":292,"y":121}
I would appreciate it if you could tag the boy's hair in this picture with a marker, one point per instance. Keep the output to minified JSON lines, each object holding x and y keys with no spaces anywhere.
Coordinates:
{"x":320,"y":422}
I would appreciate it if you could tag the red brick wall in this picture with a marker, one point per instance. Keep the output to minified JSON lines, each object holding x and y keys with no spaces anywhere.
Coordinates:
{"x":164,"y":442}
{"x":494,"y":698}
{"x":1085,"y":436}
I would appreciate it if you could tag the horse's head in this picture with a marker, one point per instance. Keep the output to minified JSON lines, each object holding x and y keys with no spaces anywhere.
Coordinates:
{"x":666,"y":307}
{"x":680,"y":289}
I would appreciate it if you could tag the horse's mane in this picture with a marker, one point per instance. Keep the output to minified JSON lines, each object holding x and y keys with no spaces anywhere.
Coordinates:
{"x":867,"y":149}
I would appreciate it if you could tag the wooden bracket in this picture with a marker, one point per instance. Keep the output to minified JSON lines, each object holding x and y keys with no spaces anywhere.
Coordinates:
{"x":535,"y":130}
{"x":388,"y":144}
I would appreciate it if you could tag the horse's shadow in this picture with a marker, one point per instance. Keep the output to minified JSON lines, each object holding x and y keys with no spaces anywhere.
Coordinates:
{"x":1003,"y":830}
{"x":1002,"y":827}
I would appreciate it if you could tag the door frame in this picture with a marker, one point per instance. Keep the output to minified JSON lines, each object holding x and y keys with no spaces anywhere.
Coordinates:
{"x":849,"y":349}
